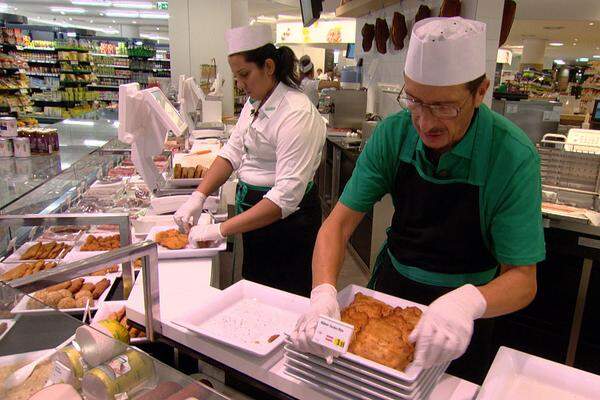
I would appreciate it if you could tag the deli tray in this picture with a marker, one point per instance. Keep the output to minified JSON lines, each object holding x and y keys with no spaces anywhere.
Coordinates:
{"x":516,"y":375}
{"x":248,"y":316}
{"x":188,"y":251}
{"x":9,"y":324}
{"x":330,"y":391}
{"x":21,"y":307}
{"x":346,"y":368}
{"x":345,"y":297}
{"x":16,"y":256}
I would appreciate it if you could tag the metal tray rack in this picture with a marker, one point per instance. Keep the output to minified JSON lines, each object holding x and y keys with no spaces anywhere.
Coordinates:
{"x":572,"y":174}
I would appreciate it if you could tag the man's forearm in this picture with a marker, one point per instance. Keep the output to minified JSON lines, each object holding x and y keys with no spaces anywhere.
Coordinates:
{"x":513,"y":290}
{"x":216,"y":176}
{"x":328,"y":255}
{"x":263,"y":213}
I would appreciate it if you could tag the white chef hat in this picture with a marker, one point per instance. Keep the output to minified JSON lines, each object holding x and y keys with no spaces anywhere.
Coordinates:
{"x":446,"y":51}
{"x":247,"y":38}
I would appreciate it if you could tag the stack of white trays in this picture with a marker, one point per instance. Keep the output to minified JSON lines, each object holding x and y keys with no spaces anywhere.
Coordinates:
{"x":351,"y":377}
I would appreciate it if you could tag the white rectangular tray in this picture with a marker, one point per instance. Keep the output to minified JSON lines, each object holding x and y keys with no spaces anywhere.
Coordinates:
{"x":345,"y":297}
{"x":516,"y":375}
{"x":21,"y":307}
{"x":188,"y":251}
{"x":109,"y":307}
{"x":356,"y":372}
{"x":330,"y":391}
{"x":16,"y":256}
{"x":235,"y":293}
{"x":9,"y":324}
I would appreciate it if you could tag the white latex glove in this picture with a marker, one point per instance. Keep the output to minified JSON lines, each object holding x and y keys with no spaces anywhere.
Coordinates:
{"x":205,"y":233}
{"x":445,"y":329}
{"x":188,"y":214}
{"x":323,"y":301}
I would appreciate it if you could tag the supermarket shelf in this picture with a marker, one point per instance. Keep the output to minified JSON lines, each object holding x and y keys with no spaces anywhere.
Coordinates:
{"x":75,"y":62}
{"x":110,"y":55}
{"x":8,"y":46}
{"x":160,"y":59}
{"x":9,"y":71}
{"x":2,"y":89}
{"x":50,"y":74}
{"x":74,"y":83}
{"x":66,"y":103}
{"x":66,"y":71}
{"x":591,"y":87}
{"x":141,"y":69}
{"x":113,"y":76}
{"x":161,"y":69}
{"x":43,"y":89}
{"x":42,"y":62}
{"x":79,"y":50}
{"x":36,"y":48}
{"x":103,"y":87}
{"x":112,"y":66}
{"x":42,"y":119}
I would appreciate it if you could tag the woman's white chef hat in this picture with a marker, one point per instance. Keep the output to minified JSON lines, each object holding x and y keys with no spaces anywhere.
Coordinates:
{"x":247,"y":38}
{"x":446,"y":51}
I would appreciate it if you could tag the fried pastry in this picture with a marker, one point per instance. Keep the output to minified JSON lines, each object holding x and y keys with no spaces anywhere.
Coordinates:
{"x":380,"y":331}
{"x":171,"y":239}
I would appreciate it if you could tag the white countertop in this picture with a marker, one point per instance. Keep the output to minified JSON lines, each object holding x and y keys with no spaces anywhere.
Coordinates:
{"x":179,"y":295}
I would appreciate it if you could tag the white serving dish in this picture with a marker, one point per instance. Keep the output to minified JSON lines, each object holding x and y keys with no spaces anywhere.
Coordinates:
{"x":188,"y":251}
{"x":142,"y":225}
{"x":242,"y":290}
{"x":108,"y":307}
{"x":22,"y":358}
{"x":345,"y":297}
{"x":21,"y":307}
{"x":16,"y":256}
{"x":516,"y":375}
{"x":332,"y":392}
{"x":345,"y":369}
{"x":9,"y":324}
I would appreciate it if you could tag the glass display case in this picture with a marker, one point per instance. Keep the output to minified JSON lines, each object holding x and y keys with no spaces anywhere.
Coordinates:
{"x":87,"y":363}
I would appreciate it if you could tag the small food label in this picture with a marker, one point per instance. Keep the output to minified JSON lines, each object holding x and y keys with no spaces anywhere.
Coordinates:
{"x":120,"y":365}
{"x":60,"y":373}
{"x":333,"y":334}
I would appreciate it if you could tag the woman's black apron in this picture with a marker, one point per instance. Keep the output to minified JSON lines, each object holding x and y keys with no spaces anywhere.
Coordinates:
{"x":280,"y":255}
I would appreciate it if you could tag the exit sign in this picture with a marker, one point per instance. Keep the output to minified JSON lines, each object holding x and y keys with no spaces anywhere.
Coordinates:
{"x":162,"y":5}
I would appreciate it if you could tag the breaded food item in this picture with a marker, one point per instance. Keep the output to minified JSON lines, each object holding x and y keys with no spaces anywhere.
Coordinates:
{"x":65,"y":293}
{"x":382,"y":342}
{"x":100,"y":288}
{"x":177,"y":171}
{"x":53,"y":298}
{"x":380,"y":331}
{"x":82,"y":301}
{"x":32,"y":251}
{"x":89,"y":286}
{"x":67,"y":302}
{"x":101,"y":243}
{"x":58,"y":286}
{"x":76,"y":285}
{"x":171,"y":239}
{"x":83,"y":293}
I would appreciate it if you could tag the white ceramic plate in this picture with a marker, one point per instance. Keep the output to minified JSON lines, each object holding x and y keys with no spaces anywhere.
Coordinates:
{"x":16,"y":256}
{"x":109,"y":307}
{"x":21,"y":307}
{"x":188,"y":251}
{"x":345,"y":297}
{"x":516,"y":375}
{"x":259,"y":326}
{"x":380,"y":383}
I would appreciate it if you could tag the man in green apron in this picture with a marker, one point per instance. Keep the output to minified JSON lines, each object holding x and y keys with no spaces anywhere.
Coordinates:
{"x":467,"y":232}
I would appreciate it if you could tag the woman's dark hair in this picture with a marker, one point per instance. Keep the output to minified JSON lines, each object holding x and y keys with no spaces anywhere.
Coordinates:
{"x":284,"y":59}
{"x":473,"y":85}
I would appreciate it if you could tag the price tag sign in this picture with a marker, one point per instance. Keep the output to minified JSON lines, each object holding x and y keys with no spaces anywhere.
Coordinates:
{"x":333,"y":334}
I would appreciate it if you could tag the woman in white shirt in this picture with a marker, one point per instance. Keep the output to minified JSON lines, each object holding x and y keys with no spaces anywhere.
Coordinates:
{"x":308,"y":84}
{"x":275,"y":148}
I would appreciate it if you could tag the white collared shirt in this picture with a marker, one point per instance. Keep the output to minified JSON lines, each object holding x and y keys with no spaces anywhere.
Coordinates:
{"x":281,"y":148}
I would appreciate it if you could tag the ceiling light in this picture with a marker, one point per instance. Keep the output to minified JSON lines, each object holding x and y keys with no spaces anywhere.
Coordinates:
{"x":67,"y":10}
{"x":596,"y":56}
{"x":91,"y":21}
{"x":559,"y":62}
{"x":121,"y":14}
{"x":134,"y":22}
{"x":3,"y":7}
{"x":591,"y":24}
{"x":154,"y":15}
{"x":142,"y":5}
{"x":139,"y":43}
{"x":114,"y":22}
{"x":93,"y":3}
{"x":556,"y":44}
{"x":575,"y":39}
{"x":70,"y":19}
{"x":157,"y":28}
{"x":583,"y":59}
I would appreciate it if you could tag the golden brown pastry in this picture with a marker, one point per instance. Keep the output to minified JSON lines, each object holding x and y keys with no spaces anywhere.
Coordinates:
{"x":67,"y":302}
{"x":100,"y":288}
{"x":171,"y":239}
{"x":101,"y":243}
{"x":380,"y":331}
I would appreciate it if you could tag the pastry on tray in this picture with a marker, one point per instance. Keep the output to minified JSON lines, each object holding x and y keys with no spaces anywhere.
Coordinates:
{"x":172,"y":239}
{"x":100,"y":243}
{"x":380,"y":331}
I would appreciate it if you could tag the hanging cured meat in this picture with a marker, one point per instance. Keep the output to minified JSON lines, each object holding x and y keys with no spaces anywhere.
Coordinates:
{"x":382,"y":34}
{"x":368,"y":34}
{"x":450,"y":8}
{"x":423,"y":12}
{"x":508,"y":17}
{"x":398,"y":31}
